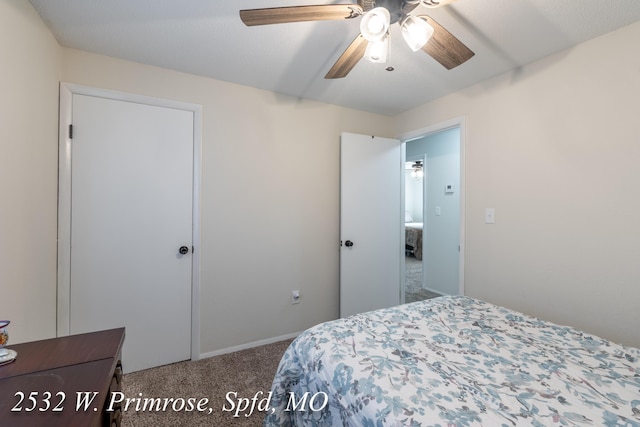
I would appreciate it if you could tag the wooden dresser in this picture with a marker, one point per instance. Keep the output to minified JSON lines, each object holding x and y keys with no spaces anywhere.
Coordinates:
{"x":64,"y":381}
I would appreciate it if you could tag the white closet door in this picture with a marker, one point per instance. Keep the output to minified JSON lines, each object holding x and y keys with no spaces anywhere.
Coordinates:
{"x":131,"y":212}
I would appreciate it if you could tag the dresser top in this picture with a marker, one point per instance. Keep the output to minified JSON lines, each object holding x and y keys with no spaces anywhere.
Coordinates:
{"x":43,"y":355}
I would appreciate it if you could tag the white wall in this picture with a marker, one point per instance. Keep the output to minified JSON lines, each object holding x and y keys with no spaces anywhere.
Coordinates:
{"x":554,"y":148}
{"x":413,"y":200}
{"x":29,"y":75}
{"x":267,"y":232}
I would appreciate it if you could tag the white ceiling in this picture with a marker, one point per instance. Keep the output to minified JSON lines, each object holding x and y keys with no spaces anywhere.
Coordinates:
{"x":207,"y":38}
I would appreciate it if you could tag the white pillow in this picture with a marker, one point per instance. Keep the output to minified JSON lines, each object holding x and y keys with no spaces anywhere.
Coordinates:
{"x":407,"y":216}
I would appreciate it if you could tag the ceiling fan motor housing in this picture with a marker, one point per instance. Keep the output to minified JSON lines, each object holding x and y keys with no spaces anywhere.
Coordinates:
{"x":396,"y":8}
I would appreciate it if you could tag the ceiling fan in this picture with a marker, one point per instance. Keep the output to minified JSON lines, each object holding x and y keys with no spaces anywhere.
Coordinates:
{"x":420,"y":32}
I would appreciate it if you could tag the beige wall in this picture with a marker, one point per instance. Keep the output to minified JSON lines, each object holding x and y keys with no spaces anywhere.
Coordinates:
{"x":29,"y":76}
{"x":270,"y":177}
{"x":554,"y":147}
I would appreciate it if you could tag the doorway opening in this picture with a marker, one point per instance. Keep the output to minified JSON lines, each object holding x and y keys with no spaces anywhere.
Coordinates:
{"x":434,"y":217}
{"x":414,"y":190}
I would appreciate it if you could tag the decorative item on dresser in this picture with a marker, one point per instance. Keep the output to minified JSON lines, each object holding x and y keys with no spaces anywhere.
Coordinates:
{"x":6,"y":355}
{"x":63,"y":381}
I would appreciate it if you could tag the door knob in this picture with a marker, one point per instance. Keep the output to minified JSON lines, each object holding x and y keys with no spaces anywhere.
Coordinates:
{"x":183,"y":250}
{"x":348,"y":243}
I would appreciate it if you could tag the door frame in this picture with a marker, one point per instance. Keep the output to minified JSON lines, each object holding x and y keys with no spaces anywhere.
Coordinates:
{"x":460,"y":123}
{"x":67,"y":90}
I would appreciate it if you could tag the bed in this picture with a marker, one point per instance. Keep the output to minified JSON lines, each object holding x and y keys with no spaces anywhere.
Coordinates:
{"x":413,"y":238}
{"x":453,"y":361}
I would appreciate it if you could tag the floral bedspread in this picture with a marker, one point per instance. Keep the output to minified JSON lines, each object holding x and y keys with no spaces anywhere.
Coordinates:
{"x":454,"y":362}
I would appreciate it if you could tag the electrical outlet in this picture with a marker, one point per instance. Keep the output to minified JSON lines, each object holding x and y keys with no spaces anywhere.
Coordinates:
{"x":489,"y":216}
{"x":295,"y":297}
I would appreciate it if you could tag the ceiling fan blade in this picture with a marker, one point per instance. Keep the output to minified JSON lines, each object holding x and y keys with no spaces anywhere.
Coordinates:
{"x":280,"y":15}
{"x":348,"y":59}
{"x":444,"y":47}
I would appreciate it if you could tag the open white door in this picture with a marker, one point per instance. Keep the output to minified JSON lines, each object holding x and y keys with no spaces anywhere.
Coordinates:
{"x":370,"y":223}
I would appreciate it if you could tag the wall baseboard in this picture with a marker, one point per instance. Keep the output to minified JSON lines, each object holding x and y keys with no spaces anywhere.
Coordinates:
{"x":248,"y":345}
{"x":435,"y":291}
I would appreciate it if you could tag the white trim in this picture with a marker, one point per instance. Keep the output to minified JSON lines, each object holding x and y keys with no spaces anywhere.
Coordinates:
{"x":435,"y":291}
{"x":67,"y":91}
{"x":403,"y":207}
{"x":425,"y":219}
{"x":196,"y":258}
{"x":249,"y":345}
{"x":64,"y":213}
{"x":439,"y":127}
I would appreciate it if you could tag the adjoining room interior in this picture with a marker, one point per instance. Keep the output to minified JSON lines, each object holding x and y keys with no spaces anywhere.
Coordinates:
{"x":433,"y":218}
{"x":413,"y":224}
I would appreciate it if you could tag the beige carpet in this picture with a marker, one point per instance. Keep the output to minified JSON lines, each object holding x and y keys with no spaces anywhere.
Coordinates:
{"x":413,"y":290}
{"x":245,"y":372}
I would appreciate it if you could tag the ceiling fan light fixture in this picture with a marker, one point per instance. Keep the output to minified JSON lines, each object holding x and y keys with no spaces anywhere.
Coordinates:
{"x":377,"y":50}
{"x":375,"y":24}
{"x":416,"y":32}
{"x":417,"y":170}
